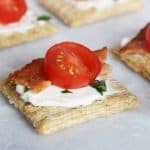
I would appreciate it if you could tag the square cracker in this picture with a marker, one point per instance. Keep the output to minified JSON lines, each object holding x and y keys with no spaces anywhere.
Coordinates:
{"x":48,"y":120}
{"x":37,"y":32}
{"x":75,"y":17}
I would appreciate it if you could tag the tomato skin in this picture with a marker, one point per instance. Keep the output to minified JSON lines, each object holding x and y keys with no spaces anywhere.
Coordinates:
{"x":12,"y":10}
{"x":147,"y":38}
{"x":78,"y":68}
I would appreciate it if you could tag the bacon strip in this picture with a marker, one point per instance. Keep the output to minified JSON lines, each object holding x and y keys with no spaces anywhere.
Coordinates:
{"x":31,"y":75}
{"x":137,"y":44}
{"x":102,"y":54}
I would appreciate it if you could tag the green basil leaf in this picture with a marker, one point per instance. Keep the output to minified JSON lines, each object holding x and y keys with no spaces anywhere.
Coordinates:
{"x":44,"y":18}
{"x":26,"y":89}
{"x":66,"y":91}
{"x":100,"y":86}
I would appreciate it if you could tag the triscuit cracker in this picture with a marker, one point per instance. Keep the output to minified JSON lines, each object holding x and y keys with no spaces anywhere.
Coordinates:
{"x":37,"y":32}
{"x":48,"y":120}
{"x":75,"y":17}
{"x":139,"y":63}
{"x":135,"y":55}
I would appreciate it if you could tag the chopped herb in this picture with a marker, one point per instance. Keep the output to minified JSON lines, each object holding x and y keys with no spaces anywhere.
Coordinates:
{"x":100,"y":86}
{"x":66,"y":91}
{"x":26,"y":89}
{"x":44,"y":18}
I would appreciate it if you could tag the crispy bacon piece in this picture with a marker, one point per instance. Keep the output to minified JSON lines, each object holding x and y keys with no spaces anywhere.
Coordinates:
{"x":102,"y":54}
{"x":137,"y":44}
{"x":33,"y":77}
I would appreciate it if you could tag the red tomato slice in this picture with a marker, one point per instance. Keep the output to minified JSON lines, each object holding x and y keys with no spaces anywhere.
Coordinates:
{"x":148,"y":38}
{"x":70,"y":65}
{"x":11,"y":10}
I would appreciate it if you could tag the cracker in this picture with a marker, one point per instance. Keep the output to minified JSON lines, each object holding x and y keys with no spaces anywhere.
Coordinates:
{"x":37,"y":32}
{"x":140,"y":63}
{"x":75,"y":17}
{"x":48,"y":120}
{"x":135,"y":53}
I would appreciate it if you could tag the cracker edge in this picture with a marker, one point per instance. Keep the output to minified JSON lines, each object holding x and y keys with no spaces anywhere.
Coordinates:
{"x":134,"y":65}
{"x":47,"y":120}
{"x":75,"y":17}
{"x":37,"y":32}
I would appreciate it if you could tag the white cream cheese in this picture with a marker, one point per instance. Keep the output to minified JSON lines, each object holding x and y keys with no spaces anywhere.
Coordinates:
{"x":53,"y":96}
{"x":27,"y":22}
{"x":125,"y":41}
{"x":98,"y":4}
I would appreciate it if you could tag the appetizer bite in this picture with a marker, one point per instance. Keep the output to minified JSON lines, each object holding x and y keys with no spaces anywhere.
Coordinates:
{"x":19,"y":23}
{"x":135,"y":52}
{"x":79,"y":12}
{"x":72,"y":84}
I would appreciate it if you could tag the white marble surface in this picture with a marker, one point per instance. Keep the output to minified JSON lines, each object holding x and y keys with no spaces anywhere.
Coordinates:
{"x":129,"y":130}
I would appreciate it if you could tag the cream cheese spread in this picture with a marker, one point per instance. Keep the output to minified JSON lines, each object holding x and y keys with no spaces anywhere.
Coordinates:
{"x":27,"y":22}
{"x":53,"y":96}
{"x":97,"y":4}
{"x":125,"y":41}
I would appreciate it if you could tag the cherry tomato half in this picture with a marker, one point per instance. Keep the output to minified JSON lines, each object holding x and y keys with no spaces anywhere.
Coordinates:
{"x":71,"y":65}
{"x":11,"y":10}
